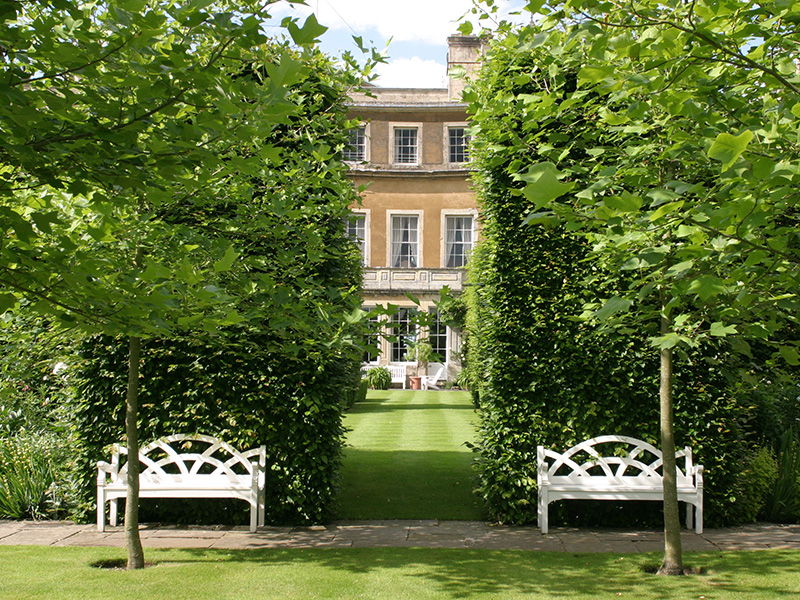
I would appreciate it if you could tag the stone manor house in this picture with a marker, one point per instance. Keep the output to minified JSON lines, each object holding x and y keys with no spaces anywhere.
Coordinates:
{"x":418,"y":220}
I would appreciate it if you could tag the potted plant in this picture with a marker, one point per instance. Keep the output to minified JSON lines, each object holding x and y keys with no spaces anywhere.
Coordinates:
{"x":422,"y":353}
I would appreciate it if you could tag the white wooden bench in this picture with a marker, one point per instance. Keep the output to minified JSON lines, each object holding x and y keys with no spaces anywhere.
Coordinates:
{"x":185,"y":466}
{"x":398,"y":372}
{"x":615,"y":467}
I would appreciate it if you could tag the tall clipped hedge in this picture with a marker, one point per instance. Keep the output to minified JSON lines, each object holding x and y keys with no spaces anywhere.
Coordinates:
{"x":543,"y":377}
{"x":275,"y":379}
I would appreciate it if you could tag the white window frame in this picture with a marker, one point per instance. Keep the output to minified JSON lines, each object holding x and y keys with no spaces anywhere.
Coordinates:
{"x":393,"y":127}
{"x":446,"y":142}
{"x":413,"y":337}
{"x":390,"y":214}
{"x":450,"y":212}
{"x":380,"y":336}
{"x":367,"y":245}
{"x":365,"y":127}
{"x":435,"y":315}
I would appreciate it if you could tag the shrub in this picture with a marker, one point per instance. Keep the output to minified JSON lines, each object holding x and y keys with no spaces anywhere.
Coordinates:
{"x":28,"y":480}
{"x":355,"y":395}
{"x":378,"y":378}
{"x":756,"y":482}
{"x":782,"y":503}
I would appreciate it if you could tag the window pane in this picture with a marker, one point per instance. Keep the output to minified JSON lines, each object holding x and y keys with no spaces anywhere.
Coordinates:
{"x":459,"y":145}
{"x":458,"y":240}
{"x":405,"y":145}
{"x":437,"y":335}
{"x":405,"y":241}
{"x":373,"y":339}
{"x":405,"y":330}
{"x":357,"y":231}
{"x":356,"y":149}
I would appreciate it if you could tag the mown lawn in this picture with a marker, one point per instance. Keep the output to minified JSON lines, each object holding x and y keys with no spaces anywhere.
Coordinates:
{"x":406,"y":457}
{"x":35,"y":572}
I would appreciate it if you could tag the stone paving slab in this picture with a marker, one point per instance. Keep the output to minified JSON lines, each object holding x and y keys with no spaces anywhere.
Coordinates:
{"x":403,"y":534}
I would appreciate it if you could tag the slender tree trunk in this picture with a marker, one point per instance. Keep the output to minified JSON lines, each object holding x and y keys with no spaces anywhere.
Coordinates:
{"x":132,"y":539}
{"x":673,"y":552}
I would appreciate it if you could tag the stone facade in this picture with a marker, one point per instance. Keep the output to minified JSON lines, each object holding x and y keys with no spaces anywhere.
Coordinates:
{"x":418,"y":217}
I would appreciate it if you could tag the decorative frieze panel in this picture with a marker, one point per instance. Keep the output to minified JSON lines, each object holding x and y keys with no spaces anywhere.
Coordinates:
{"x":413,"y":280}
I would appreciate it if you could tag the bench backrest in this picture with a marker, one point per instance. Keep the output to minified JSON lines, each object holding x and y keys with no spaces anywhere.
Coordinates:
{"x":186,"y":457}
{"x":398,"y":372}
{"x":611,"y":458}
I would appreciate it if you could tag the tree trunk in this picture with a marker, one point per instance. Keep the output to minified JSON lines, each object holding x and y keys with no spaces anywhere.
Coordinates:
{"x":132,"y":539}
{"x":673,"y":553}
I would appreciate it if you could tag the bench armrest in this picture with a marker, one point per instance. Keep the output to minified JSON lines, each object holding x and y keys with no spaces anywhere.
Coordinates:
{"x":543,"y":477}
{"x":698,"y":475}
{"x":104,"y":469}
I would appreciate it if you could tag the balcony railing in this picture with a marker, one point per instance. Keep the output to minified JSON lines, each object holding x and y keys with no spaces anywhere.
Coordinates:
{"x":387,"y":279}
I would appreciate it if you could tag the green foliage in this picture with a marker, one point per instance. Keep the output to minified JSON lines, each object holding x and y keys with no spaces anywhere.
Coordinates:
{"x":378,"y":378}
{"x":359,"y":394}
{"x":421,"y":351}
{"x":279,"y":375}
{"x":756,"y":483}
{"x":290,"y":405}
{"x":783,"y":500}
{"x":33,"y":376}
{"x":666,"y":133}
{"x":29,"y":482}
{"x":541,"y":374}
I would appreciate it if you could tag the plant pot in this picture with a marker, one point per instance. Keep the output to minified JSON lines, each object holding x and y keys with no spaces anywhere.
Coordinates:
{"x":416,"y":383}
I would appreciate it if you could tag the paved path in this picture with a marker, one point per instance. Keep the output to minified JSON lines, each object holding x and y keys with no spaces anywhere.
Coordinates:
{"x":397,"y":534}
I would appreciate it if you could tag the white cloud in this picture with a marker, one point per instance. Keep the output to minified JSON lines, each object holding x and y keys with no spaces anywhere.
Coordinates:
{"x":428,"y":21}
{"x":412,"y":72}
{"x":424,"y":23}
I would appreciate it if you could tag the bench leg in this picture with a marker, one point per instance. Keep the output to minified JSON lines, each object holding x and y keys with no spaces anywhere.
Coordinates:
{"x":112,"y":517}
{"x":541,"y":516}
{"x":101,"y":510}
{"x":689,"y":509}
{"x":253,"y":516}
{"x":698,"y":526}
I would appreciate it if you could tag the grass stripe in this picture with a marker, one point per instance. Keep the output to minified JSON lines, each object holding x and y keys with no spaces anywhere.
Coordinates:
{"x":406,"y":457}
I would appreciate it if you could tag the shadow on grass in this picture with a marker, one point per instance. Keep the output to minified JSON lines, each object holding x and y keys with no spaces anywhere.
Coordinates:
{"x":377,"y":406}
{"x":465,"y":573}
{"x":379,"y":484}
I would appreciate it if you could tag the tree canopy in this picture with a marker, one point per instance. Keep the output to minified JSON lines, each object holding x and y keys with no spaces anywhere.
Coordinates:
{"x":683,"y":159}
{"x":664,"y":135}
{"x":152,"y":154}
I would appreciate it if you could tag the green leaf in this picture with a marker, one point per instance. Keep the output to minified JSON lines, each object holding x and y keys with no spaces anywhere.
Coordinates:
{"x":717,"y":329}
{"x":226,"y":262}
{"x":623,"y":203}
{"x":707,"y":287}
{"x":613,"y":306}
{"x":728,"y":148}
{"x":595,"y":74}
{"x":308,"y":34}
{"x":790,"y":355}
{"x":543,"y":185}
{"x":667,"y":341}
{"x":665,"y":209}
{"x":7,"y":301}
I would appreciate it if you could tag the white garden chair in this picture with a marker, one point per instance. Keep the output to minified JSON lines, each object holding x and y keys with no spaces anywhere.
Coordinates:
{"x":430,"y":381}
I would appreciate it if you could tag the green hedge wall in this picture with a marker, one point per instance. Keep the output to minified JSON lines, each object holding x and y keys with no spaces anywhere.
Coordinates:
{"x":282,"y":376}
{"x":292,"y":406}
{"x":542,"y":377}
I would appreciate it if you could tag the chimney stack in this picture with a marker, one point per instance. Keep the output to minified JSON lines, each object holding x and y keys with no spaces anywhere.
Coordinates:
{"x":463,"y":51}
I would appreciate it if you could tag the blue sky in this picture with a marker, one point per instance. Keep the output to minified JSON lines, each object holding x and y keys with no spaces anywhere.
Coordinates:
{"x":418,"y":30}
